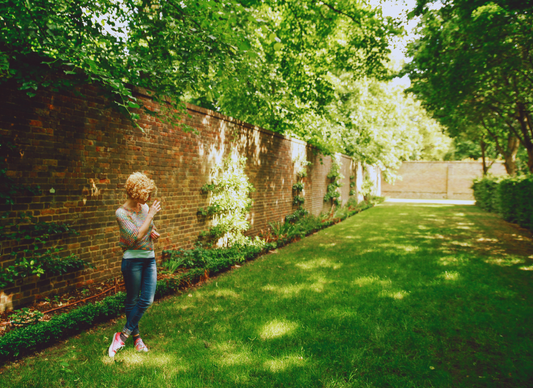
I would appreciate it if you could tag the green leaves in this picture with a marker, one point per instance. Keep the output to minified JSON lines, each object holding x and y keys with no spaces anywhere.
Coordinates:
{"x":472,"y":69}
{"x":229,"y":202}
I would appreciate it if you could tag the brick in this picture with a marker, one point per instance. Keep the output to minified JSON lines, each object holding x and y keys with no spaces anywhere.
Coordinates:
{"x":79,"y":140}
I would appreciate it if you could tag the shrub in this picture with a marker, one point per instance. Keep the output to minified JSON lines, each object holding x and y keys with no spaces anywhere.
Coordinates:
{"x":510,"y":197}
{"x":514,"y":197}
{"x":294,"y":217}
{"x":485,"y":192}
{"x":39,"y":335}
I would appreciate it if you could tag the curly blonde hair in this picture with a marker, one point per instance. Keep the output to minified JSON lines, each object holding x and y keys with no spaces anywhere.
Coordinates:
{"x":139,"y":186}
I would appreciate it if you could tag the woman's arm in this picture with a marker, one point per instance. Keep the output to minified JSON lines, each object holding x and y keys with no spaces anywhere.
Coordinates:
{"x":145,"y":227}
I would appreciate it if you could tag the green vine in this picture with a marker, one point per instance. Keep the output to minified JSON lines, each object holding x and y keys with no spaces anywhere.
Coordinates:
{"x":230,"y":203}
{"x":367,"y":187}
{"x":335,"y":176}
{"x":352,"y":185}
{"x":298,"y":199}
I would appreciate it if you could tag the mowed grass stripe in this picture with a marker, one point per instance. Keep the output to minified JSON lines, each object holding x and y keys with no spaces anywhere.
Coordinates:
{"x":397,"y":296}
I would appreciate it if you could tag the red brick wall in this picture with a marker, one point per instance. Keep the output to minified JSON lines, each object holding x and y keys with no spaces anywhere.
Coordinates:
{"x":85,"y":151}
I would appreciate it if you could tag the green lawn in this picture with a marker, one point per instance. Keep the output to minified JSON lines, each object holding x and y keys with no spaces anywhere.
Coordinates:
{"x":401,"y":295}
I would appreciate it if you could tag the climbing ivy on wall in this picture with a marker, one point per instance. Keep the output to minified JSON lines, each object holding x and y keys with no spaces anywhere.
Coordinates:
{"x":335,"y":178}
{"x":352,"y":185}
{"x":298,"y":198}
{"x":229,"y":203}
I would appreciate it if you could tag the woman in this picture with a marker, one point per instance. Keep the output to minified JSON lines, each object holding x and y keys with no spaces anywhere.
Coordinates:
{"x":137,"y":236}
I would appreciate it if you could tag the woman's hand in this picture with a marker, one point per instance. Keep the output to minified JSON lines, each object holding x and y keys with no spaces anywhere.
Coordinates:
{"x":154,"y":235}
{"x":154,"y":209}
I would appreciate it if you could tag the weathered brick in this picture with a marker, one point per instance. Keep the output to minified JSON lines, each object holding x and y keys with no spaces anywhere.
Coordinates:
{"x":86,"y":151}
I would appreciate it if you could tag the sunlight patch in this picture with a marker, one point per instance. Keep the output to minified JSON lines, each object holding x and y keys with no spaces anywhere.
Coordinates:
{"x":184,"y":307}
{"x":504,"y":261}
{"x":371,"y":280}
{"x":327,"y":245}
{"x":461,"y":243}
{"x":527,"y":268}
{"x":450,"y":275}
{"x":291,"y":290}
{"x":483,"y":239}
{"x":318,"y":286}
{"x":158,"y":360}
{"x":280,"y":364}
{"x":277,"y":328}
{"x":450,"y":261}
{"x":241,"y":358}
{"x":319,"y":263}
{"x":226,"y":292}
{"x":399,"y":295}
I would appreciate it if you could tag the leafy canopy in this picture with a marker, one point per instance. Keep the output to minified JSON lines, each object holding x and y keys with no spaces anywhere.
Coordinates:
{"x":472,"y":68}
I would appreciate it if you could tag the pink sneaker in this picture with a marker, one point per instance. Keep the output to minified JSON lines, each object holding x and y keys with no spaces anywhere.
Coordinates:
{"x":116,"y":345}
{"x":140,"y":346}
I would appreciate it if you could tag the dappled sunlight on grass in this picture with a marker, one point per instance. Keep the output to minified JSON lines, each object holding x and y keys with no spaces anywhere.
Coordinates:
{"x":403,"y":248}
{"x":319,"y":263}
{"x":287,"y":291}
{"x":243,"y":357}
{"x":292,"y":290}
{"x":461,"y":243}
{"x":329,"y":245}
{"x":504,"y":261}
{"x":484,"y":239}
{"x":399,"y":295}
{"x":450,"y":275}
{"x":318,"y":285}
{"x":277,"y":328}
{"x":225,"y":293}
{"x":372,"y":280}
{"x":106,"y":360}
{"x":451,"y":260}
{"x":390,"y":297}
{"x":282,"y":363}
{"x":184,"y":306}
{"x":154,"y":360}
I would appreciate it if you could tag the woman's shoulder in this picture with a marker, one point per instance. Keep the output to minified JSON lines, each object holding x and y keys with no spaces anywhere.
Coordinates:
{"x":121,"y":212}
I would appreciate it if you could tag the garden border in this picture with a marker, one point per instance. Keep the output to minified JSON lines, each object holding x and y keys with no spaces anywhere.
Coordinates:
{"x":27,"y":340}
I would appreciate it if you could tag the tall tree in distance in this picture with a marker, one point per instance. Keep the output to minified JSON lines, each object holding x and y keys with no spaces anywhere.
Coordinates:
{"x":473,"y":66}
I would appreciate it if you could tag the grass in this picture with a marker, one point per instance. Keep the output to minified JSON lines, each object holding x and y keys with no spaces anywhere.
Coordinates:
{"x":397,"y":296}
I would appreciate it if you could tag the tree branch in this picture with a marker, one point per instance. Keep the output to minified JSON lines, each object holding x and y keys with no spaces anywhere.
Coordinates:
{"x":357,"y":21}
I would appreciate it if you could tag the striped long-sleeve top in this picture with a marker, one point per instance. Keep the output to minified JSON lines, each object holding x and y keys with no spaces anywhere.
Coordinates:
{"x":129,"y":223}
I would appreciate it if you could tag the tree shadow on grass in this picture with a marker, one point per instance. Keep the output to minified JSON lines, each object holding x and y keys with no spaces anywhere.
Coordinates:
{"x":368,"y":302}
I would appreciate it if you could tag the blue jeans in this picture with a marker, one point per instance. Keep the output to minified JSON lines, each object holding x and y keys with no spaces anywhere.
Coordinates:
{"x":140,"y":276}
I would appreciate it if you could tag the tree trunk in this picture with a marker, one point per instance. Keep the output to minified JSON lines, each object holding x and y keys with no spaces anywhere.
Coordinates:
{"x":530,"y":160}
{"x":485,"y":168}
{"x":510,"y":156}
{"x":526,"y":127}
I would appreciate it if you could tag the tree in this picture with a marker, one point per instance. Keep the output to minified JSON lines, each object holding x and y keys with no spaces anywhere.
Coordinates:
{"x":165,"y":46}
{"x":287,"y":85}
{"x":380,"y":125}
{"x":472,"y":66}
